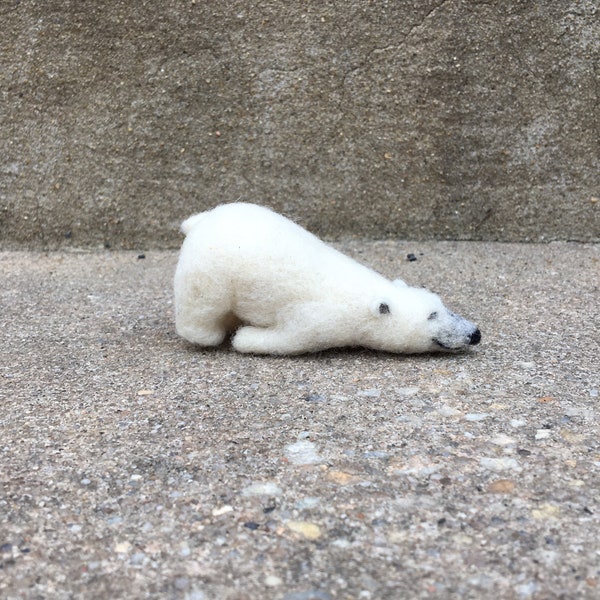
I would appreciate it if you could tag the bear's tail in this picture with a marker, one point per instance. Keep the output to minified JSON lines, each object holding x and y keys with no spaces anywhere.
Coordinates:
{"x":190,"y":223}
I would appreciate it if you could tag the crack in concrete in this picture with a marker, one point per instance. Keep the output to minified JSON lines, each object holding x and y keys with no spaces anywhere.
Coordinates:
{"x":414,"y":28}
{"x":393,"y":47}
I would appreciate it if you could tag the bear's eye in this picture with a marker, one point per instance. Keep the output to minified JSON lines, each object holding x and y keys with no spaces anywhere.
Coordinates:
{"x":384,"y":309}
{"x":432,"y":316}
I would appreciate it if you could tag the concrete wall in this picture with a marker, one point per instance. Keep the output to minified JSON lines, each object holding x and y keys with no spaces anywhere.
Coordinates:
{"x":419,"y":119}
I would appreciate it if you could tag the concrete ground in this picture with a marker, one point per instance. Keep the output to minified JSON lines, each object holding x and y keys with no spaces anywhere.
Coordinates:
{"x":134,"y":465}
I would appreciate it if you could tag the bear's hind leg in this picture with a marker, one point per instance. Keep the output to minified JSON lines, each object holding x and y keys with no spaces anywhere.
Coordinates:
{"x":201,"y":325}
{"x":202,"y":309}
{"x":202,"y":336}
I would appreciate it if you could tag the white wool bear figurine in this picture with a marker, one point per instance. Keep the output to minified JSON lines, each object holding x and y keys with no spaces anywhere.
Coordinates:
{"x":243,"y":265}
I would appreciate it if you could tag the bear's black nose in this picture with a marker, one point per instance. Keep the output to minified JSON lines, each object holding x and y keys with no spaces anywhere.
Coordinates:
{"x":475,"y":338}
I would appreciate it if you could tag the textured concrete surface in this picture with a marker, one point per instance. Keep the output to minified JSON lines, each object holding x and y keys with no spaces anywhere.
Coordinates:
{"x":438,"y":119}
{"x":133,"y":465}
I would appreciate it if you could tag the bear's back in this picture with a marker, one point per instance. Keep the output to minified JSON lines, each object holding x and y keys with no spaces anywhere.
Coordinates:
{"x":255,"y":246}
{"x":252,"y":232}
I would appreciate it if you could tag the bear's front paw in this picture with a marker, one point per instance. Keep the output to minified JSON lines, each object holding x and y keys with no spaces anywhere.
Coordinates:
{"x":253,"y":340}
{"x":259,"y":340}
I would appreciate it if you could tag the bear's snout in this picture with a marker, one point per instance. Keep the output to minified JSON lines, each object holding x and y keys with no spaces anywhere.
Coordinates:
{"x":475,"y":338}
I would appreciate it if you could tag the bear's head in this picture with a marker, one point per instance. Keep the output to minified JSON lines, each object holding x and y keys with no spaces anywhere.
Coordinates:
{"x":415,"y":320}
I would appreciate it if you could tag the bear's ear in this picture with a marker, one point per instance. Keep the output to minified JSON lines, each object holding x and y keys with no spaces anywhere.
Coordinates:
{"x":384,"y":308}
{"x":399,"y":283}
{"x":380,"y":307}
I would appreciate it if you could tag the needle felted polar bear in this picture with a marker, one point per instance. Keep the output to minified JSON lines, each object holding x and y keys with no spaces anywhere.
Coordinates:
{"x":243,"y":265}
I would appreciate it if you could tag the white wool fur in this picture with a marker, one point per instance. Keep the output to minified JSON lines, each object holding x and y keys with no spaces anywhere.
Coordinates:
{"x":243,"y":264}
